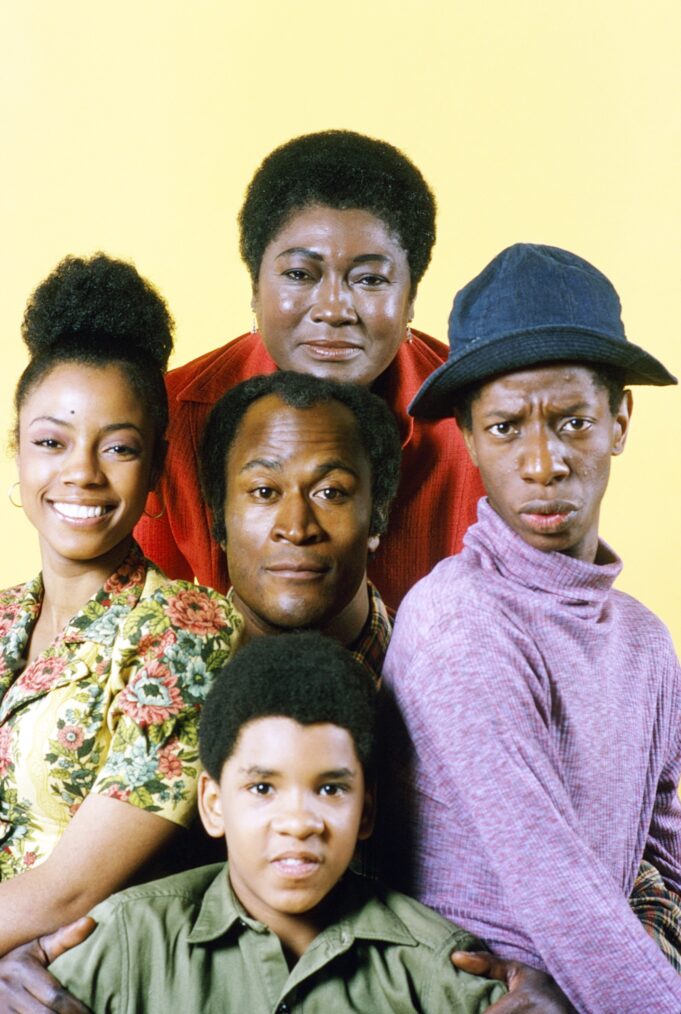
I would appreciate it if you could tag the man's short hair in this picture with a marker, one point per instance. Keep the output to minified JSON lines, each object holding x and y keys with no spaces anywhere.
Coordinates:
{"x":377,"y":427}
{"x":304,"y":676}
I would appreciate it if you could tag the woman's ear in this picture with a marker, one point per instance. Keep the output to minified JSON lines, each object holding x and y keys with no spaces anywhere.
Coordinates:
{"x":210,"y":806}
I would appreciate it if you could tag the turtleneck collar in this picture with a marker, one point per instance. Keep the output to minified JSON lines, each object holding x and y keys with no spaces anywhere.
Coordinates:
{"x":569,"y":579}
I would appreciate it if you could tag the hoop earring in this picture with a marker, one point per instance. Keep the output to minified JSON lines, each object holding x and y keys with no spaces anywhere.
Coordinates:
{"x":409,"y":336}
{"x":155,"y":517}
{"x":10,"y":491}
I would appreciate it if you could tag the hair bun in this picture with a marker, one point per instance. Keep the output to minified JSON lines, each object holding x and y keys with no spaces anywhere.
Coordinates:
{"x":98,"y":306}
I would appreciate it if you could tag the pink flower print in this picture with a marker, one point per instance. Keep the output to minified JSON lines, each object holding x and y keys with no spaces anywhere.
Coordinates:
{"x":43,"y":674}
{"x":118,"y":793}
{"x":169,"y":764}
{"x":71,"y":736}
{"x":152,"y":644}
{"x":8,"y":614}
{"x":30,"y":858}
{"x":5,"y":750}
{"x":194,"y":611}
{"x":152,"y":696}
{"x":128,"y":573}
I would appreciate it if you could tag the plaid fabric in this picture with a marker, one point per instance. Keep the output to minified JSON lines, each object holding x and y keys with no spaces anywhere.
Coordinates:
{"x":370,"y":647}
{"x":659,"y":909}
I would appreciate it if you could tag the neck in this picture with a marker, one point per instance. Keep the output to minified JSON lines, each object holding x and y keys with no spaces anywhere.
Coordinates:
{"x":68,"y":584}
{"x":345,"y":626}
{"x":295,"y":930}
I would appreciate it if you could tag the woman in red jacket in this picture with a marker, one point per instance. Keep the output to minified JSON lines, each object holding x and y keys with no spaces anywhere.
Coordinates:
{"x":336,"y":232}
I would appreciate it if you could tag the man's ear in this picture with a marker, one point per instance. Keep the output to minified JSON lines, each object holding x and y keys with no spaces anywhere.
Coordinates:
{"x":366,"y":824}
{"x":467,"y":435}
{"x":210,"y":806}
{"x":620,"y":428}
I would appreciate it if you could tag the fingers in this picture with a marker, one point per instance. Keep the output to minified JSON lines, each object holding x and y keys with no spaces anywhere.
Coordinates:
{"x":15,"y":1000}
{"x":65,"y":938}
{"x":485,"y":964}
{"x":26,"y":987}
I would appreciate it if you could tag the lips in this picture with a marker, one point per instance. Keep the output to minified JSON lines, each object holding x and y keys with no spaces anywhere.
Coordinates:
{"x":298,"y":569}
{"x":332,"y":349}
{"x":296,"y":865}
{"x":548,"y":516}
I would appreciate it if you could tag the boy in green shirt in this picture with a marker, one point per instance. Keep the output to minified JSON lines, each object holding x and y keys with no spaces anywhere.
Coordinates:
{"x":288,"y":741}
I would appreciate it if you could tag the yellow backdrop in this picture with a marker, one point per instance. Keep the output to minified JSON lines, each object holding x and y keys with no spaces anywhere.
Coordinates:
{"x":134,"y":127}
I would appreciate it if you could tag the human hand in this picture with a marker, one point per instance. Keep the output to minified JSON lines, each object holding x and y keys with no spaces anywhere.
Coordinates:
{"x":529,"y":991}
{"x":26,"y":987}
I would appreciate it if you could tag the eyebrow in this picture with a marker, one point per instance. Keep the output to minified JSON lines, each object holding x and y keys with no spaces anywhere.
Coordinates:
{"x":274,"y":465}
{"x":254,"y":771}
{"x":316,"y":256}
{"x":515,"y":411}
{"x":111,"y":428}
{"x":337,"y":773}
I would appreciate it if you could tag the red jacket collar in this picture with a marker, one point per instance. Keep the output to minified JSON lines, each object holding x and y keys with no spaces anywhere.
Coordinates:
{"x":208,"y":377}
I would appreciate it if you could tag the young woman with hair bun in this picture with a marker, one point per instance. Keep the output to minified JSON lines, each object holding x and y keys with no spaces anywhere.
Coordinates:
{"x":104,"y":663}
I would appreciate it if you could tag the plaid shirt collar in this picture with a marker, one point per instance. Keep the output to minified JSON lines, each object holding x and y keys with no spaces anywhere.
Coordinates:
{"x":370,"y":647}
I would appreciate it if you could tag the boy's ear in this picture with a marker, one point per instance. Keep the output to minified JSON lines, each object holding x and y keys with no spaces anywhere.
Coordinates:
{"x":210,"y":806}
{"x":366,"y":824}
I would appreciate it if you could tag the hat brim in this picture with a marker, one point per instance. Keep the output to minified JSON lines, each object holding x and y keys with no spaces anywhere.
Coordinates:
{"x":522,"y":349}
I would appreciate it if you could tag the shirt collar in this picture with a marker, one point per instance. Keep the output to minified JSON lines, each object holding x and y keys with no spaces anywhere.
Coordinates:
{"x":362,"y":915}
{"x":397,"y":384}
{"x":99,"y":619}
{"x":220,"y":910}
{"x":246,"y":356}
{"x":372,"y":644}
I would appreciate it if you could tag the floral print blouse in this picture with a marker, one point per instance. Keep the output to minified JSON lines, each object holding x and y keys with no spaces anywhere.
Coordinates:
{"x":111,"y":707}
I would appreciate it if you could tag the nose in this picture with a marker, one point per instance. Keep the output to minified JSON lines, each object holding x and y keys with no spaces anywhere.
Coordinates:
{"x":297,"y":817}
{"x":296,"y":520}
{"x":542,"y":456}
{"x":333,"y":304}
{"x":82,"y":467}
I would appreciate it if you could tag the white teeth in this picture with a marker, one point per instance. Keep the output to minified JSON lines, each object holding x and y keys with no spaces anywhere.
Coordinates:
{"x":295,"y":862}
{"x":79,"y":510}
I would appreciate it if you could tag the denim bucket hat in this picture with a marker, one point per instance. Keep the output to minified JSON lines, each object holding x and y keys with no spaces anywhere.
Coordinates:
{"x":533,"y":304}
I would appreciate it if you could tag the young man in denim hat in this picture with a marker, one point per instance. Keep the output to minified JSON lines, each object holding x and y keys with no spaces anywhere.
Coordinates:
{"x":541,"y":709}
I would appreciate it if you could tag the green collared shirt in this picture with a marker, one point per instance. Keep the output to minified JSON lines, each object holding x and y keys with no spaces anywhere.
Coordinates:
{"x":185,"y":944}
